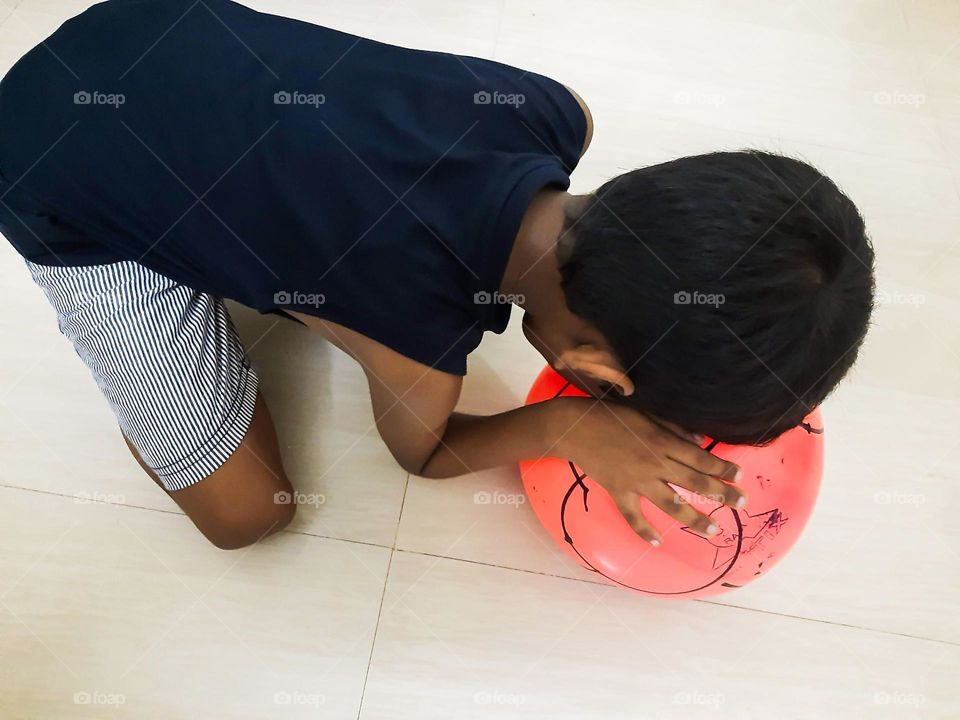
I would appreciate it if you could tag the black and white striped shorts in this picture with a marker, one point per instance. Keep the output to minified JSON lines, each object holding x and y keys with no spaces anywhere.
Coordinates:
{"x":167,"y":359}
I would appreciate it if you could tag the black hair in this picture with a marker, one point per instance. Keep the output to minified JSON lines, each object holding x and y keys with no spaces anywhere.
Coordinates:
{"x":735,"y":287}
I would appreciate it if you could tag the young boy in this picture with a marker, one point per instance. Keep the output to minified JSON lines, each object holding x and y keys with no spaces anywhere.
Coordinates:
{"x":157,"y":156}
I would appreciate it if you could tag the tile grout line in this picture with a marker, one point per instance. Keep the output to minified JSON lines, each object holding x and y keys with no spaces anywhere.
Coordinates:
{"x":383,"y":596}
{"x":833,"y":623}
{"x":393,"y":550}
{"x":181,"y":514}
{"x":376,"y":630}
{"x":714,"y":603}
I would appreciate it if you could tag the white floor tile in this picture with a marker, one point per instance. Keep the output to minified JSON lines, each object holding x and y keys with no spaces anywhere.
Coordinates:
{"x":858,"y":622}
{"x":466,"y":641}
{"x":118,"y":612}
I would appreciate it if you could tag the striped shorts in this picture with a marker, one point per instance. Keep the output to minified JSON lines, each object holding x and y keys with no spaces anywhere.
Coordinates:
{"x":166,"y":358}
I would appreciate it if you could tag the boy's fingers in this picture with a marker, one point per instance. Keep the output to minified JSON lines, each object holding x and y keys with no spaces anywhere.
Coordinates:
{"x":703,"y":462}
{"x":710,"y":488}
{"x":680,"y":510}
{"x":630,"y":509}
{"x":695,"y":438}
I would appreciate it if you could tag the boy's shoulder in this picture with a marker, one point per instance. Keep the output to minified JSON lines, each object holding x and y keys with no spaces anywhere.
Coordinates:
{"x":587,"y":115}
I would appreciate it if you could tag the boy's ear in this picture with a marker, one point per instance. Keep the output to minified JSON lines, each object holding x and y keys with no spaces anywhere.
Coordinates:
{"x":597,"y":364}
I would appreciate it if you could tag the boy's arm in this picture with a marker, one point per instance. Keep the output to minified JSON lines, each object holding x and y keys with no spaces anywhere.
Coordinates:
{"x":414,"y":410}
{"x":627,"y":453}
{"x":471,"y":443}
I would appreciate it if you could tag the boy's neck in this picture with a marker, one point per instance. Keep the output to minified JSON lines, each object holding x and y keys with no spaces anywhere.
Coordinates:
{"x":532,"y":274}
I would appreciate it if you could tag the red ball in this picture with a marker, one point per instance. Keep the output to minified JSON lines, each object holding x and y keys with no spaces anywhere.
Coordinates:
{"x":781,"y":481}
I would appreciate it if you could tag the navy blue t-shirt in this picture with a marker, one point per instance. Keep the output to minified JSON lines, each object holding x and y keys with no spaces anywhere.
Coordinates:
{"x":284,"y":165}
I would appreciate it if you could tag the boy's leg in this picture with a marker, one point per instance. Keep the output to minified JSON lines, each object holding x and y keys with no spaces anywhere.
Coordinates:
{"x":247,"y":498}
{"x":171,"y":366}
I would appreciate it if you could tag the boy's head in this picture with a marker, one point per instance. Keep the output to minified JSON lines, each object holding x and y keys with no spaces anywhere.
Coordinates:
{"x":734,"y":289}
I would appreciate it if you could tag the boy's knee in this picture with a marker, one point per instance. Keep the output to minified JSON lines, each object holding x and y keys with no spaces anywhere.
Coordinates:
{"x":234,"y":527}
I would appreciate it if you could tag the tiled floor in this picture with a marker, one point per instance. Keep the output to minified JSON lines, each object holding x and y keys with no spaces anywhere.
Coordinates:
{"x":401,"y":597}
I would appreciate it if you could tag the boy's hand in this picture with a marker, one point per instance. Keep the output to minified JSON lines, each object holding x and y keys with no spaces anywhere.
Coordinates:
{"x":631,"y":456}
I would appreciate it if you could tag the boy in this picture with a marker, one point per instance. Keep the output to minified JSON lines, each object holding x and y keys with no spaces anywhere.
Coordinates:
{"x":157,"y":156}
